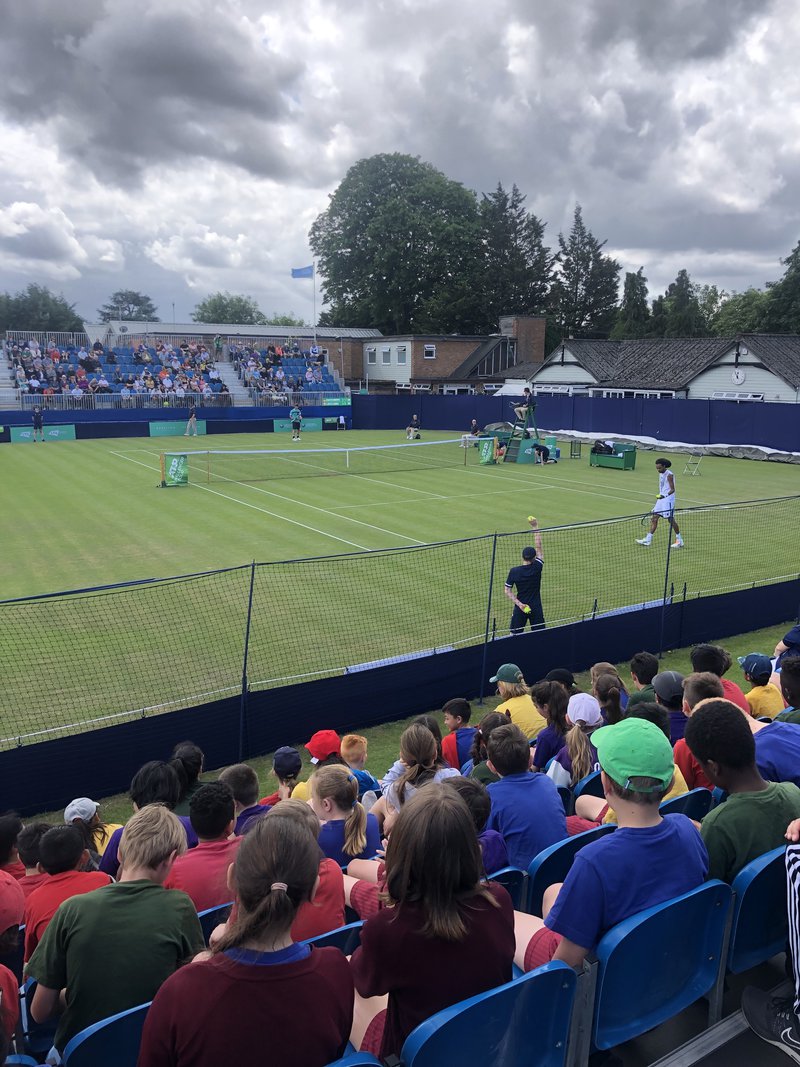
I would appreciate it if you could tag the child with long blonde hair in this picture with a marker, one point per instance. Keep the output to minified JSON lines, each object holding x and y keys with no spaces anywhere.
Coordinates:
{"x":348,"y":832}
{"x":578,"y":757}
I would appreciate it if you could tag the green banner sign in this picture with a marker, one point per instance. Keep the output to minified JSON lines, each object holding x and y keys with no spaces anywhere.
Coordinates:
{"x":51,"y":433}
{"x":486,"y":450}
{"x":176,"y":469}
{"x":335,"y":401}
{"x":284,"y":425}
{"x":173,"y":429}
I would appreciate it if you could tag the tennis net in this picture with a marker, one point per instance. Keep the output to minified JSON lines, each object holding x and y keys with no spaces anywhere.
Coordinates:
{"x":255,"y":465}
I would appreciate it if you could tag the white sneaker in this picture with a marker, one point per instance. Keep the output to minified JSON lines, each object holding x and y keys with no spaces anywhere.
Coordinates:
{"x":643,"y":541}
{"x":677,"y":544}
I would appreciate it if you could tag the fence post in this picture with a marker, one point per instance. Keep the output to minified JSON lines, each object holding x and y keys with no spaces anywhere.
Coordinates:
{"x":243,"y":706}
{"x":488,"y":620}
{"x":666,"y":585}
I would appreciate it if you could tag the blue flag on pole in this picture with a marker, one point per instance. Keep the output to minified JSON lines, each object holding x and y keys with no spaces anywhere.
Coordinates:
{"x":303,"y":272}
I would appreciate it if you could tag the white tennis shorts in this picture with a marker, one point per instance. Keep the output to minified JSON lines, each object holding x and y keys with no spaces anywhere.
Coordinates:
{"x":665,"y":506}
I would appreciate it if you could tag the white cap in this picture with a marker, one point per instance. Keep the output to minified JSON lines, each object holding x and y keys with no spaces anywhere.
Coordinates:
{"x":82,"y":808}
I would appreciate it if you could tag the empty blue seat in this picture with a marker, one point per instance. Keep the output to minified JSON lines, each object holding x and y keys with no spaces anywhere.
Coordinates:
{"x":694,"y":805}
{"x":655,"y":964}
{"x":115,"y":1040}
{"x":759,"y":927}
{"x":514,"y":882}
{"x":552,"y":864}
{"x":524,"y":1023}
{"x":591,"y":785}
{"x":347,"y":938}
{"x":212,"y":917}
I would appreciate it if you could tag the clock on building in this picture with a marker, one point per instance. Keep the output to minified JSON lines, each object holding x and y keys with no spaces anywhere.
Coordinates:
{"x":738,"y":375}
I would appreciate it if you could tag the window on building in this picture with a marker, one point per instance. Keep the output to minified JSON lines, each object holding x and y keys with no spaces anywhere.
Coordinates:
{"x":429,"y":352}
{"x":401,"y":355}
{"x":372,"y":356}
{"x":386,"y":356}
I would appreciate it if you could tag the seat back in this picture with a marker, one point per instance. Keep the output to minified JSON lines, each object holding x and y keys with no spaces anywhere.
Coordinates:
{"x":694,"y":805}
{"x":347,"y":938}
{"x":114,"y":1040}
{"x":591,"y":785}
{"x":552,"y":864}
{"x":37,"y":1037}
{"x":760,"y":927}
{"x":524,"y":1023}
{"x":212,"y":917}
{"x":356,"y":1059}
{"x":513,"y":881}
{"x":655,"y":964}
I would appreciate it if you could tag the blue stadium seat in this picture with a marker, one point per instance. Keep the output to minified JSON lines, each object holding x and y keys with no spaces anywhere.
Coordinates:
{"x":552,"y":864}
{"x":591,"y":785}
{"x":356,"y":1059}
{"x":759,"y":927}
{"x":524,"y":1023}
{"x":655,"y":964}
{"x":515,"y":882}
{"x":694,"y":805}
{"x":347,"y":938}
{"x":37,"y":1038}
{"x":114,"y":1041}
{"x":22,"y":1061}
{"x":212,"y":917}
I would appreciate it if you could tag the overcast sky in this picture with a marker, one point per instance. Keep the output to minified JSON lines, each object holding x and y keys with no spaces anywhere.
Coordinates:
{"x":179,"y":147}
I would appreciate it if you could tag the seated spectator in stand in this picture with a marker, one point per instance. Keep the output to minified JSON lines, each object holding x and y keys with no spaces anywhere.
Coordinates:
{"x":243,"y":783}
{"x":701,"y":685}
{"x":596,"y":811}
{"x":398,"y":768}
{"x":28,"y":849}
{"x":788,"y":646}
{"x":492,"y":845}
{"x":298,"y":999}
{"x":764,"y":698}
{"x":348,"y":832}
{"x":324,"y":750}
{"x":61,"y":856}
{"x":551,"y":700}
{"x":147,"y":930}
{"x":515,"y":700}
{"x":715,"y":659}
{"x":421,"y":763}
{"x":643,"y":668}
{"x":187,"y":759}
{"x":669,"y":693}
{"x":12,"y":907}
{"x":354,"y":753}
{"x":790,"y":688}
{"x":647,"y":860}
{"x":202,"y":872}
{"x":777,"y":749}
{"x":609,"y":696}
{"x":565,"y":678}
{"x":577,"y":757}
{"x":286,"y":766}
{"x":154,"y":783}
{"x":83,"y":814}
{"x":526,"y":807}
{"x":603,"y":667}
{"x":457,"y":743}
{"x":754,"y":818}
{"x":10,"y":827}
{"x":476,"y":766}
{"x":448,"y":935}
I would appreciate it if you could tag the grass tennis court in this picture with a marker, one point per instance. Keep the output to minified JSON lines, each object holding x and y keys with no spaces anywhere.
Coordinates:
{"x":89,"y":513}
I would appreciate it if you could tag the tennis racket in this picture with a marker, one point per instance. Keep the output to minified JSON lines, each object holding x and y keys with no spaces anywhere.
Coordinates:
{"x":646,"y":519}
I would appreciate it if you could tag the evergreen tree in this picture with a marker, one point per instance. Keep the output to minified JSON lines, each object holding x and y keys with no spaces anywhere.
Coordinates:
{"x":658,"y":317}
{"x":683,"y":315}
{"x":36,"y":308}
{"x":633,"y":317}
{"x":584,"y":293}
{"x":781,"y":312}
{"x":741,"y":313}
{"x":517,"y":266}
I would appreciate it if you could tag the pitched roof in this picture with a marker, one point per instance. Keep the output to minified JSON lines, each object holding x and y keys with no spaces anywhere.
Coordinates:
{"x":672,"y":362}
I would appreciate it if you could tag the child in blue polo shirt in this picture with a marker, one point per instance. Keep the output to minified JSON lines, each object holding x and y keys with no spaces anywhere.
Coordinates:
{"x":457,"y":743}
{"x":526,"y":807}
{"x":646,"y":861}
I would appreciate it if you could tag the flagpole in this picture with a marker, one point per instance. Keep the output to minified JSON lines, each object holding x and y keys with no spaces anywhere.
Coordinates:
{"x":314,"y":284}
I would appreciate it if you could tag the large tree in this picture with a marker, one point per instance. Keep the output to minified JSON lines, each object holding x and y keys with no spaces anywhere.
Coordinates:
{"x":230,"y":308}
{"x":516,"y":264}
{"x":781,"y":313}
{"x":397,"y":249}
{"x":684,"y":317}
{"x":282,"y":319}
{"x":36,"y":308}
{"x":127,"y":304}
{"x":584,"y":294}
{"x":740,"y":313}
{"x":633,"y":317}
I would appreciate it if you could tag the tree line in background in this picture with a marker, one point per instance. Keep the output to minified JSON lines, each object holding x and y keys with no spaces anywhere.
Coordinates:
{"x":36,"y":308}
{"x":405,"y":249}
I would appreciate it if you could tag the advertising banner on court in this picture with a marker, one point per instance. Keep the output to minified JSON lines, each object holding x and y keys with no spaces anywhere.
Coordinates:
{"x":285,"y":425}
{"x":487,"y":449}
{"x":175,"y":469}
{"x":173,"y":429}
{"x":51,"y":433}
{"x":336,"y":401}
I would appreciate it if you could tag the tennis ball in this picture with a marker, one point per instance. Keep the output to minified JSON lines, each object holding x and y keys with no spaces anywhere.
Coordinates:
{"x":530,"y":518}
{"x":527,"y":609}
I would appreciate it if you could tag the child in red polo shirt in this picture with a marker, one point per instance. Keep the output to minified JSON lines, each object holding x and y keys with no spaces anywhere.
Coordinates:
{"x":702,"y":685}
{"x":12,"y":907}
{"x":61,"y":855}
{"x":202,"y":872}
{"x":28,"y":848}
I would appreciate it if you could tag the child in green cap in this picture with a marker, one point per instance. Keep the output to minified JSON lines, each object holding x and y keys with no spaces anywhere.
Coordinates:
{"x":646,"y":861}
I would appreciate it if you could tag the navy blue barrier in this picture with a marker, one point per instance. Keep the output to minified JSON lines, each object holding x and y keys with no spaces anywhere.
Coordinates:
{"x":48,"y":775}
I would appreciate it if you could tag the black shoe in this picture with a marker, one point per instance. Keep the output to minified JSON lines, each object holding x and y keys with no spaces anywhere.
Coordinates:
{"x":773,"y":1019}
